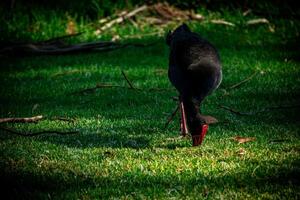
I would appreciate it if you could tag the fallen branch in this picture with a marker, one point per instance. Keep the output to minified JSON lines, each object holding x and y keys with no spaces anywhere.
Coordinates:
{"x":243,"y":81}
{"x":171,"y":117}
{"x":123,"y":17}
{"x":22,"y":120}
{"x":168,"y":12}
{"x":59,"y":48}
{"x":29,"y":134}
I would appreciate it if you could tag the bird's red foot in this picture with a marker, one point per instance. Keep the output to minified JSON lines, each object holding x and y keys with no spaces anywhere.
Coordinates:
{"x":199,"y":137}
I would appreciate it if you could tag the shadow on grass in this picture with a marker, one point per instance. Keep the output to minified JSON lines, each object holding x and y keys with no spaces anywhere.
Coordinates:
{"x":280,"y":182}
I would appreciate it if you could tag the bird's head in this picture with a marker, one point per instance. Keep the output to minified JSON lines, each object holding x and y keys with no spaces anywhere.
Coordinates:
{"x":179,"y":30}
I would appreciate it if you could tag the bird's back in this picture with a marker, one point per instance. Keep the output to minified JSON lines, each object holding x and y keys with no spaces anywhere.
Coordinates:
{"x":194,"y":64}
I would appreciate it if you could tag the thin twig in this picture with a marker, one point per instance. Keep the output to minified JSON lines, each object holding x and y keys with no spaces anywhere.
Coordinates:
{"x":157,"y":89}
{"x":128,"y":81}
{"x":65,"y":73}
{"x":22,"y":120}
{"x":279,"y":140}
{"x":258,"y":111}
{"x":130,"y":86}
{"x":63,"y":119}
{"x":233,"y":110}
{"x":170,"y":118}
{"x":98,"y":86}
{"x":29,"y":134}
{"x":243,"y":81}
{"x":222,"y":22}
{"x":283,"y":107}
{"x":60,"y":38}
{"x":159,"y":33}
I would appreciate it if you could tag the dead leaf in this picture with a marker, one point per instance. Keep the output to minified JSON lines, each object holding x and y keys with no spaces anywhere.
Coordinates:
{"x":242,"y":140}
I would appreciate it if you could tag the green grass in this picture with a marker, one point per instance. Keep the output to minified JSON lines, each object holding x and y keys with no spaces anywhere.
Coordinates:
{"x":122,"y":150}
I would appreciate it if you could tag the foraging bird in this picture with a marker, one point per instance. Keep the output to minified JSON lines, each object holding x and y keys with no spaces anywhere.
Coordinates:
{"x":195,"y":71}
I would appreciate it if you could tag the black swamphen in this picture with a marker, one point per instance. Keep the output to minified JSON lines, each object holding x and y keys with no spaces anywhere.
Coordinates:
{"x":195,"y":71}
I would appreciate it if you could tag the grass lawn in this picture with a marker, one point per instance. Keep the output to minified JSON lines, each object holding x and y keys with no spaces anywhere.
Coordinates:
{"x":123,"y":151}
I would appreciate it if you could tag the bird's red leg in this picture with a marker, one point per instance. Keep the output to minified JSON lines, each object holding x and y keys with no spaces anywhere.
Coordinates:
{"x":183,"y":126}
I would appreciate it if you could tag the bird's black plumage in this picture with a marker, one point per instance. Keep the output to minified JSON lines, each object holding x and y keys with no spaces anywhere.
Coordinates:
{"x":194,"y":69}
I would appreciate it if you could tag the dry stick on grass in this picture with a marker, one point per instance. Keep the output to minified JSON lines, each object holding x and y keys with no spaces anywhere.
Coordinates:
{"x":156,"y":33}
{"x":131,"y":86}
{"x":146,"y":89}
{"x":158,"y":89}
{"x":243,"y":81}
{"x":22,"y":120}
{"x":234,"y":87}
{"x":171,"y":117}
{"x":233,"y":110}
{"x":154,"y":89}
{"x":29,"y":134}
{"x":128,"y":81}
{"x":257,"y":21}
{"x":279,"y":140}
{"x":63,"y":119}
{"x":98,"y":86}
{"x":32,"y":119}
{"x":222,"y":22}
{"x":259,"y":111}
{"x":65,"y":73}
